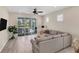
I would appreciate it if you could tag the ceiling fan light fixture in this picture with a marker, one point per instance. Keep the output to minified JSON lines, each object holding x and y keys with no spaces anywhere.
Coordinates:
{"x":35,"y":11}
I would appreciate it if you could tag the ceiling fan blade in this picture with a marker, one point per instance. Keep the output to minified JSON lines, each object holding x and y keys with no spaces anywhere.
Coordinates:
{"x":35,"y":11}
{"x":40,"y":11}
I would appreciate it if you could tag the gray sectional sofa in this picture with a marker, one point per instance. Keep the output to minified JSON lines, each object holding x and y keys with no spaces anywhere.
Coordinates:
{"x":53,"y":41}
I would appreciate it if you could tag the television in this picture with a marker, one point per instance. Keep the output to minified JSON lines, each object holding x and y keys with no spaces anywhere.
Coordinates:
{"x":3,"y":24}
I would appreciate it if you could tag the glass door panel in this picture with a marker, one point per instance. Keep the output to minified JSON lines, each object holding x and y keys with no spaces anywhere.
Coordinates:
{"x":26,"y":26}
{"x":33,"y":25}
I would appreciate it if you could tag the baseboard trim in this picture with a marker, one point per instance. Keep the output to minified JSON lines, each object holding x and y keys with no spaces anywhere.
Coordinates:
{"x":3,"y":46}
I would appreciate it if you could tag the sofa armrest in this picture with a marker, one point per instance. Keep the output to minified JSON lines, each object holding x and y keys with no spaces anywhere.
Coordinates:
{"x":35,"y":47}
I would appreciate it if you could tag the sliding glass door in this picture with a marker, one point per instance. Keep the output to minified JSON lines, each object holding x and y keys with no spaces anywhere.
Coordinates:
{"x":26,"y":26}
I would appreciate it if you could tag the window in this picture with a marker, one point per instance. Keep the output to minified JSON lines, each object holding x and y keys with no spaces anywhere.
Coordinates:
{"x":60,"y":18}
{"x":25,"y":25}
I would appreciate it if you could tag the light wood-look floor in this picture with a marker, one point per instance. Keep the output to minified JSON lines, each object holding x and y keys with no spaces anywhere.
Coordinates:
{"x":20,"y":45}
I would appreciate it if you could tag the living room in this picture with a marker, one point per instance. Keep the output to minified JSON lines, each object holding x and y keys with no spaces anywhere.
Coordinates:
{"x":56,"y":18}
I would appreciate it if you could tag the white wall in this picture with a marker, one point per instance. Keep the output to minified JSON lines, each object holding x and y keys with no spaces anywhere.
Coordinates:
{"x":3,"y":34}
{"x":70,"y":23}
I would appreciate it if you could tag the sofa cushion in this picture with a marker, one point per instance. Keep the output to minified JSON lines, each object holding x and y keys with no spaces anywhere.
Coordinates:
{"x":47,"y":31}
{"x":53,"y":32}
{"x":58,"y":35}
{"x":43,"y":38}
{"x":64,"y":34}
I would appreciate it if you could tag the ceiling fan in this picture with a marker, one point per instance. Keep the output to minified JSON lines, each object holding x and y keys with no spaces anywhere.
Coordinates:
{"x":35,"y":11}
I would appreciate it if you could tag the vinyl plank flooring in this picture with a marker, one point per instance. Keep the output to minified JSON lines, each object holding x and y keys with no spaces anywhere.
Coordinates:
{"x":20,"y":45}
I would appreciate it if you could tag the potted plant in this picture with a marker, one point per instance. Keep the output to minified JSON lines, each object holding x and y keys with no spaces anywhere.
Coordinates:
{"x":13,"y":31}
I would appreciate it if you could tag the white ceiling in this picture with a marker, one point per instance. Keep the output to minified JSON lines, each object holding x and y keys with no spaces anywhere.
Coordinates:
{"x":29,"y":9}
